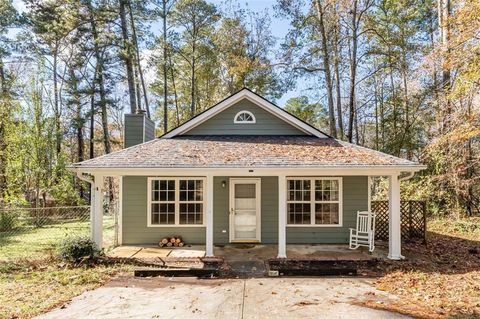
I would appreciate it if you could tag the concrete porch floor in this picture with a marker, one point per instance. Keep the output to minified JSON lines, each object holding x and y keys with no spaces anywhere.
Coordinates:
{"x":248,"y":260}
{"x":238,"y":252}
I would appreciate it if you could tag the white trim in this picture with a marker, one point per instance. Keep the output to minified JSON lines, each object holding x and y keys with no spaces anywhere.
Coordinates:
{"x":259,"y":101}
{"x":258,"y":194}
{"x":176,"y":201}
{"x":236,"y":121}
{"x":96,"y":213}
{"x":394,"y":220}
{"x":282,"y":217}
{"x":209,"y":252}
{"x":120,"y":212}
{"x":252,"y":171}
{"x":312,"y":201}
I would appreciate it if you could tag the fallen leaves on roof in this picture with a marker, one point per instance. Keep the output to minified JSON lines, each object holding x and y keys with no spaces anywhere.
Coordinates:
{"x":245,"y":151}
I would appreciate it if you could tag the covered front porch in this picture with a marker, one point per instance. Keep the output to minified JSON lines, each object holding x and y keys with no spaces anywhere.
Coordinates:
{"x":238,"y":252}
{"x":217,"y":176}
{"x":248,"y":260}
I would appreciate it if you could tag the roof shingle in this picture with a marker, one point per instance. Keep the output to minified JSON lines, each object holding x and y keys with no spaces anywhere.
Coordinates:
{"x":243,"y":151}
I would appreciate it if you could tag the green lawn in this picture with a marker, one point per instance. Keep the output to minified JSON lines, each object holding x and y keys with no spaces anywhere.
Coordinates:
{"x":38,"y":242}
{"x":33,"y":280}
{"x":29,"y":289}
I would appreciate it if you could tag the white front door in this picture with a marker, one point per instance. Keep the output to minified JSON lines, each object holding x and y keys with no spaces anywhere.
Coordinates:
{"x":245,"y":210}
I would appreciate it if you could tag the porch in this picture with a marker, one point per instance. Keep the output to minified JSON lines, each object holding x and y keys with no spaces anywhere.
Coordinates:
{"x":273,"y":225}
{"x":248,"y":260}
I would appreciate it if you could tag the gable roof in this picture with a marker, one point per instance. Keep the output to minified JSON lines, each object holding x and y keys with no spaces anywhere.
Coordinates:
{"x":249,"y":152}
{"x":253,"y":97}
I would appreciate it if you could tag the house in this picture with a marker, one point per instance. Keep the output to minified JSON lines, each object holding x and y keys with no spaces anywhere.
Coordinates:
{"x":242,"y":171}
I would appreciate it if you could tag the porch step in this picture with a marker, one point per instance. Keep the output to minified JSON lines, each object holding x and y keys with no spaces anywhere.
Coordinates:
{"x":246,"y":269}
{"x":176,"y":272}
{"x":317,"y":267}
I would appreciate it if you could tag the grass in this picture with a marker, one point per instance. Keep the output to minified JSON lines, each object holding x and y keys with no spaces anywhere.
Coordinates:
{"x":30,"y":288}
{"x":437,"y":280}
{"x":33,"y":280}
{"x":37,"y":242}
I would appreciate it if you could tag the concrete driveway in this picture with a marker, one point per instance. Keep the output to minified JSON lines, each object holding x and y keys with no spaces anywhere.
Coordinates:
{"x":227,"y":298}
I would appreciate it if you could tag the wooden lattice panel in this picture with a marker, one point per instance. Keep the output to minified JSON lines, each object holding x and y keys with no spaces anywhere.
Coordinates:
{"x":413,"y":221}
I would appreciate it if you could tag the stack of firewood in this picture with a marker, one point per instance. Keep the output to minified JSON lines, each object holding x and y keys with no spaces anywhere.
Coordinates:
{"x":173,"y":241}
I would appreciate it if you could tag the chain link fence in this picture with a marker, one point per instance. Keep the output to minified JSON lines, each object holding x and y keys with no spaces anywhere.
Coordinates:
{"x":36,"y":232}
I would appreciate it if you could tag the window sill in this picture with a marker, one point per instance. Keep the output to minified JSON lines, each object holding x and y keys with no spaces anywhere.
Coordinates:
{"x":176,"y":226}
{"x":310,"y":225}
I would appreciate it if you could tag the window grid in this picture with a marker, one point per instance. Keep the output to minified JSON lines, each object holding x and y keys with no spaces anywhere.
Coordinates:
{"x":191,"y":212}
{"x":326,"y":208}
{"x":162,"y":202}
{"x":245,"y":117}
{"x":190,"y":201}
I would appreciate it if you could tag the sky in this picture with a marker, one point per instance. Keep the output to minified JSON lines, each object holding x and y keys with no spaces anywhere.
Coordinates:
{"x":279,"y":28}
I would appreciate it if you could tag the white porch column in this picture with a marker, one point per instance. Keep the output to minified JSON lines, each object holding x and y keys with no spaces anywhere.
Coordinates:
{"x":394,"y":225}
{"x":96,"y":211}
{"x":282,"y":217}
{"x":209,"y":217}
{"x":120,"y":212}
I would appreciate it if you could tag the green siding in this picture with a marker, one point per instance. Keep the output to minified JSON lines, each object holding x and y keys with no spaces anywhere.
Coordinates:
{"x":134,"y":218}
{"x":355,"y":198}
{"x":134,"y":132}
{"x":266,"y":123}
{"x":135,"y":230}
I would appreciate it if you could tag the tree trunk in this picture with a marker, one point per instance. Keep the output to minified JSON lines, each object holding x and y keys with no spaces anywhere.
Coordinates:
{"x":172,"y":74}
{"x":165,"y":87}
{"x":78,"y":125}
{"x":431,"y":34}
{"x":382,"y":112}
{"x":338,"y":96}
{"x":139,"y":66}
{"x":92,"y":121}
{"x":127,"y":56}
{"x":444,"y":7}
{"x":137,"y":88}
{"x":394,"y":102}
{"x":192,"y":85}
{"x":56,"y":106}
{"x":326,"y":65}
{"x":336,"y":68}
{"x":408,"y":145}
{"x":4,"y":107}
{"x":106,"y":134}
{"x":353,"y":71}
{"x":375,"y":93}
{"x":98,"y":78}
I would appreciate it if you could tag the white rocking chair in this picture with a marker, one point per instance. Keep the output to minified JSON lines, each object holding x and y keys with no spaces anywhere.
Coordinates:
{"x":364,"y":234}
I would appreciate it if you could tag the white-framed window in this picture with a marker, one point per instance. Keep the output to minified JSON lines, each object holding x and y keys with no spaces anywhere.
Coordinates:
{"x":176,"y":201}
{"x":244,"y":117}
{"x":314,"y":201}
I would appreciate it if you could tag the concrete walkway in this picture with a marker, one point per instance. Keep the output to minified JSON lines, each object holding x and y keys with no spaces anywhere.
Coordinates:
{"x":219,"y":298}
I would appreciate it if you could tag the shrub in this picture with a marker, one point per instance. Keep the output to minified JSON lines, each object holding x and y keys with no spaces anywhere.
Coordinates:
{"x":77,"y":249}
{"x":8,"y":220}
